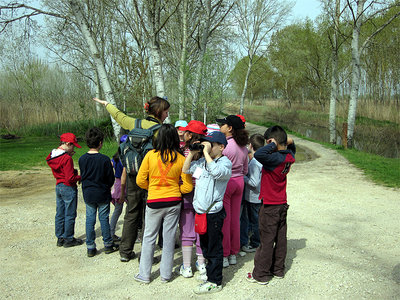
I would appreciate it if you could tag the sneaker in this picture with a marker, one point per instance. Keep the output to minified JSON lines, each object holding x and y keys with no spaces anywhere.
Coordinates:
{"x":202,"y":277}
{"x":207,"y":288}
{"x":249,"y":249}
{"x":201,"y":268}
{"x":124,"y":258}
{"x":186,"y":272}
{"x":116,"y":238}
{"x":279,"y":276}
{"x":225,"y":262}
{"x":72,"y":243}
{"x":163,"y":280}
{"x":111,"y":249}
{"x":60,"y":242}
{"x":232,"y":259}
{"x":242,"y":253}
{"x":91,"y":252}
{"x":140,"y":279}
{"x":251,"y":279}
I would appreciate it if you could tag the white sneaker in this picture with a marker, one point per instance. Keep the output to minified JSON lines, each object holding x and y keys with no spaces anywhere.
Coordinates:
{"x":225,"y":262}
{"x":207,"y":288}
{"x":232,"y":259}
{"x":202,"y":277}
{"x":201,"y":268}
{"x":186,"y":272}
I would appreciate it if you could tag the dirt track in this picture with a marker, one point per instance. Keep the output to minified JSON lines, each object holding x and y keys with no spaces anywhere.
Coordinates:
{"x":343,"y":243}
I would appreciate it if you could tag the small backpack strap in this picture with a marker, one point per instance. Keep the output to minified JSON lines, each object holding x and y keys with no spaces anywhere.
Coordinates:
{"x":155,"y":127}
{"x":138,"y":123}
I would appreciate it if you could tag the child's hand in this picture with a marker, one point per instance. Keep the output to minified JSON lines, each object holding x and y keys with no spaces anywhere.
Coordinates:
{"x":272,"y":140}
{"x":289,"y":141}
{"x":207,"y":147}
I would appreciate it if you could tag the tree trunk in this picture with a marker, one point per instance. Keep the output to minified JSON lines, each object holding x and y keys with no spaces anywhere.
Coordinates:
{"x":105,"y":83}
{"x":246,"y":80}
{"x":182,"y":67}
{"x":203,"y":46}
{"x":334,"y":79}
{"x":355,"y":74}
{"x":98,"y":95}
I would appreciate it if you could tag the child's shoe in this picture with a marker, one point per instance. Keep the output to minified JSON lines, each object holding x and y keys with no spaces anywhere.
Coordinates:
{"x":186,"y":272}
{"x":207,"y":288}
{"x":249,"y":249}
{"x":201,"y":268}
{"x":137,"y":277}
{"x":232,"y":259}
{"x":225,"y":262}
{"x":251,"y":279}
{"x":72,"y":243}
{"x":116,"y":238}
{"x":91,"y":252}
{"x":111,"y":249}
{"x":60,"y":242}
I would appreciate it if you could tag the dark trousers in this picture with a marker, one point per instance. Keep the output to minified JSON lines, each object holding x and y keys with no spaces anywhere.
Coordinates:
{"x":211,"y":245}
{"x":249,"y":223}
{"x":134,"y":207}
{"x":270,"y":256}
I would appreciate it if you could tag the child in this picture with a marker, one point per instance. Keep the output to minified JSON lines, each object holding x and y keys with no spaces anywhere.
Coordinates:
{"x":238,"y":138}
{"x":118,"y":191}
{"x":251,"y":204}
{"x":61,"y":163}
{"x":178,"y":125}
{"x":192,"y":133}
{"x":97,"y":180}
{"x":160,"y":174}
{"x":276,"y":157}
{"x":212,"y":173}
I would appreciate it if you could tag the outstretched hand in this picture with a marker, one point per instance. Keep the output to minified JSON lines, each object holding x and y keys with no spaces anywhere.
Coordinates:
{"x":102,"y":102}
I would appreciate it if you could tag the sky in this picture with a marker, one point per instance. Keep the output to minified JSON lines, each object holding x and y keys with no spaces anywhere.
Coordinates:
{"x":306,"y":8}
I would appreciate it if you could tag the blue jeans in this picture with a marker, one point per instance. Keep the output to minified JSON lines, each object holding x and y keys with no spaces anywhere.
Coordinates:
{"x":115,"y":216}
{"x":66,"y":204}
{"x":249,"y":223}
{"x":104,"y":212}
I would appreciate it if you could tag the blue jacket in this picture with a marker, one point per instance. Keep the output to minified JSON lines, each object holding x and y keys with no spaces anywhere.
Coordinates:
{"x":211,"y":184}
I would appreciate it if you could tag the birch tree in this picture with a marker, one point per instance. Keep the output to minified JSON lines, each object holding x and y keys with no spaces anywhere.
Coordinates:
{"x":212,"y":13}
{"x":361,"y":12}
{"x":256,"y":20}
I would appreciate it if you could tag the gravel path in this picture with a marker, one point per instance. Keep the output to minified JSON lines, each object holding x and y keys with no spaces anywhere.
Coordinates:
{"x":343,"y":243}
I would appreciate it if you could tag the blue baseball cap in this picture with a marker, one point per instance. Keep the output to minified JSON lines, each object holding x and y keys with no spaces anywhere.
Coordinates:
{"x":181,"y":123}
{"x":216,"y":137}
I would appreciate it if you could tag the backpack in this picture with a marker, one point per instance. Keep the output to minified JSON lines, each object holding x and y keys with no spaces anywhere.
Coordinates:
{"x":136,"y":146}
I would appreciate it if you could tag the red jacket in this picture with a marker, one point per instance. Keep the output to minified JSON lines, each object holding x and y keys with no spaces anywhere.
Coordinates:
{"x":62,"y":166}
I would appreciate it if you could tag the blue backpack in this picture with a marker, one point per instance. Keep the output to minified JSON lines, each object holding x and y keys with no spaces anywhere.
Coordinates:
{"x":136,"y":146}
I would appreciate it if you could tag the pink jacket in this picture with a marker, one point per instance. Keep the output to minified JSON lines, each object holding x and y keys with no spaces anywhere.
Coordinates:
{"x":238,"y":156}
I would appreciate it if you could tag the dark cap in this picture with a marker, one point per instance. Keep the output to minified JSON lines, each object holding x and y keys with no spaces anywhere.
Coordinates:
{"x":216,"y":137}
{"x":233,"y":121}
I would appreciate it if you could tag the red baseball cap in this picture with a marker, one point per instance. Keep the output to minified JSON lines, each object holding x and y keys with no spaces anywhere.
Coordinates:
{"x":69,"y":138}
{"x":242,"y":118}
{"x":196,"y":127}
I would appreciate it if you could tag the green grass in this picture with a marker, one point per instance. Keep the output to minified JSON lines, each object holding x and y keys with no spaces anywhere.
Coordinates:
{"x":28,"y":153}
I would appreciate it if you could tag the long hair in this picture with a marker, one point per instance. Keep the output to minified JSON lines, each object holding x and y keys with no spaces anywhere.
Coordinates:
{"x":156,"y":105}
{"x":167,"y":143}
{"x":241,"y":137}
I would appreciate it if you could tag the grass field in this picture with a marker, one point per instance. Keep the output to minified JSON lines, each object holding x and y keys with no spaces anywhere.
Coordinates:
{"x":30,"y":152}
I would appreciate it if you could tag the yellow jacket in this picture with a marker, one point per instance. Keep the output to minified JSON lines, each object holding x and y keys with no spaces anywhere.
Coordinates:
{"x":163,"y":180}
{"x":127,"y":122}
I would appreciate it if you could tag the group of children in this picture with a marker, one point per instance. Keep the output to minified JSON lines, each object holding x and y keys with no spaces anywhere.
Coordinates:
{"x":182,"y":181}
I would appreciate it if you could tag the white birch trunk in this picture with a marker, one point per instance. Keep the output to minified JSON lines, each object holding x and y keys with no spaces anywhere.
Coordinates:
{"x":334,"y":79}
{"x":98,"y":95}
{"x":355,"y":74}
{"x":246,"y":80}
{"x":203,"y":47}
{"x":182,"y":67}
{"x":83,"y":26}
{"x":157,"y":69}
